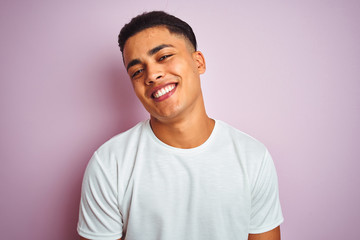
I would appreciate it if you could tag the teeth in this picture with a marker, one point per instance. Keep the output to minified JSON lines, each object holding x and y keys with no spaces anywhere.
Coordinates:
{"x":164,"y":90}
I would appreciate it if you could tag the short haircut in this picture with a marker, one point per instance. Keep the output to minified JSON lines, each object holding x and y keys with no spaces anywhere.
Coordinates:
{"x":155,"y":19}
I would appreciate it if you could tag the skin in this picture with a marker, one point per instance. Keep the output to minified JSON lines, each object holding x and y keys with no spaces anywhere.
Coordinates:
{"x":155,"y":58}
{"x":270,"y":235}
{"x":180,"y":120}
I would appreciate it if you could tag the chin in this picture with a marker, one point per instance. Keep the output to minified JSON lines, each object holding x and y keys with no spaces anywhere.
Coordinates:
{"x":166,"y":117}
{"x":167,"y":112}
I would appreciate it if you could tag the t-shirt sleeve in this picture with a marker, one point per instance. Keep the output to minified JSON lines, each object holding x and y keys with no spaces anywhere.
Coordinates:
{"x":99,"y":216}
{"x":266,"y":211}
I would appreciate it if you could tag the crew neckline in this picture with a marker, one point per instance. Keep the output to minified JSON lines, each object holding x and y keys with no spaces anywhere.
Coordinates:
{"x":199,"y":148}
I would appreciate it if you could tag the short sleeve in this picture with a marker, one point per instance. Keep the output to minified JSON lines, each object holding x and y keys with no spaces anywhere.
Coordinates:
{"x":266,"y":211}
{"x":99,"y":216}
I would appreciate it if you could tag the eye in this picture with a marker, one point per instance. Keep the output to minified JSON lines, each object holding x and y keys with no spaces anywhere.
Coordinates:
{"x":164,"y":57}
{"x":137,"y":73}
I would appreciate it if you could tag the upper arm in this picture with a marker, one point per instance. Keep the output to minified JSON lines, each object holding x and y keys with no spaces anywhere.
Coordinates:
{"x":99,"y":213}
{"x":81,"y":238}
{"x":266,"y":211}
{"x":270,"y":235}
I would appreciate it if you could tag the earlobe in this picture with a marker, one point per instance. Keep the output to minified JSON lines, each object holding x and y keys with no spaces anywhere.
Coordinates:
{"x":200,"y":61}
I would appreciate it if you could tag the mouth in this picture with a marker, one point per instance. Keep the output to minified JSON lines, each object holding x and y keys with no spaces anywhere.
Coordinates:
{"x":164,"y":92}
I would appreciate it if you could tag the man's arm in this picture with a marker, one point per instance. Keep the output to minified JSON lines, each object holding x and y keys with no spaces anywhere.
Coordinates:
{"x":81,"y":238}
{"x":270,"y":235}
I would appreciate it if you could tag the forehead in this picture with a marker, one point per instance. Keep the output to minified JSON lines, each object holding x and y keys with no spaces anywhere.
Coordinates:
{"x":149,"y":38}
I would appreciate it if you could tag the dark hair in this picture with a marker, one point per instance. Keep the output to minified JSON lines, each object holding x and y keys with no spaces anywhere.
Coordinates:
{"x":154,"y":19}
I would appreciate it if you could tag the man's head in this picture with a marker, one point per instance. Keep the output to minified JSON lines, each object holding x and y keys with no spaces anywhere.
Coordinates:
{"x":154,"y":19}
{"x":163,"y":66}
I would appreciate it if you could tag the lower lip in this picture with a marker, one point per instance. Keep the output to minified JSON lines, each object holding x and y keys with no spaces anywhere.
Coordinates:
{"x":166,"y":96}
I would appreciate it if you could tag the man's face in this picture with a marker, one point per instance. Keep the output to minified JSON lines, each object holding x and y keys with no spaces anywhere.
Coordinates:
{"x":165,"y":72}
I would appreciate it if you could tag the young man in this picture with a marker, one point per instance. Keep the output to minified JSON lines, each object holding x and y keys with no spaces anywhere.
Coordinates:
{"x":180,"y":175}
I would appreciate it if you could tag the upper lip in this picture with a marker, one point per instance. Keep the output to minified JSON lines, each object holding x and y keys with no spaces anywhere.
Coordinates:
{"x":156,"y":88}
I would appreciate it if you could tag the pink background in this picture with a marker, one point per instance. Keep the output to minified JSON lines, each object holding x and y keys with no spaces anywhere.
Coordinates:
{"x":286,"y":72}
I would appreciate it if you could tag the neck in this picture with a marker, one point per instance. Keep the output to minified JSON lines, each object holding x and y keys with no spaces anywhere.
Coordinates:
{"x":188,"y":132}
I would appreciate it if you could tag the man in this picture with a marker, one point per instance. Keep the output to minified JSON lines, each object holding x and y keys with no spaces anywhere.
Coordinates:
{"x":179,"y":175}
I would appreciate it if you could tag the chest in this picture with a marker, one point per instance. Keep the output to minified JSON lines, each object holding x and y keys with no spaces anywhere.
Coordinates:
{"x":201,"y":185}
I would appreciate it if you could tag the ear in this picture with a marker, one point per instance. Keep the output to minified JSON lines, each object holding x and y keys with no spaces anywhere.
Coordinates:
{"x":199,"y":61}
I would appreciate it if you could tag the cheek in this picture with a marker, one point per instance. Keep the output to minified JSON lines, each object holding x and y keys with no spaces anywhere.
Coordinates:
{"x":138,"y":88}
{"x":182,"y":67}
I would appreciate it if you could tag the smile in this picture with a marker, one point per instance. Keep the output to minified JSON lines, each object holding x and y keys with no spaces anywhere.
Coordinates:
{"x":162,"y":91}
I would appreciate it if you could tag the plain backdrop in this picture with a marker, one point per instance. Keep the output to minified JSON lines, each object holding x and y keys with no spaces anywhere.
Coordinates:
{"x":285,"y":72}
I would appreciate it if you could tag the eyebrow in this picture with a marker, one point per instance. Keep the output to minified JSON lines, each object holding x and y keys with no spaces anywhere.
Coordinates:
{"x":158,"y":48}
{"x":132,"y":63}
{"x":150,"y":53}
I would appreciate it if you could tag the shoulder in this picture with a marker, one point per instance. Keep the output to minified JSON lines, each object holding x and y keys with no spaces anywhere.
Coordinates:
{"x":121,"y":146}
{"x":241,"y":140}
{"x":123,"y":139}
{"x":113,"y":161}
{"x":249,"y":151}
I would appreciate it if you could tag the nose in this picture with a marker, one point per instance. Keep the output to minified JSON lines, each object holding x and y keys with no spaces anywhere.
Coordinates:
{"x":154,"y":73}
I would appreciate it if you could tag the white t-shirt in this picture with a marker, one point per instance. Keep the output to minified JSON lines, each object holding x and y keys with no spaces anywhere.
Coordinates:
{"x":136,"y":187}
